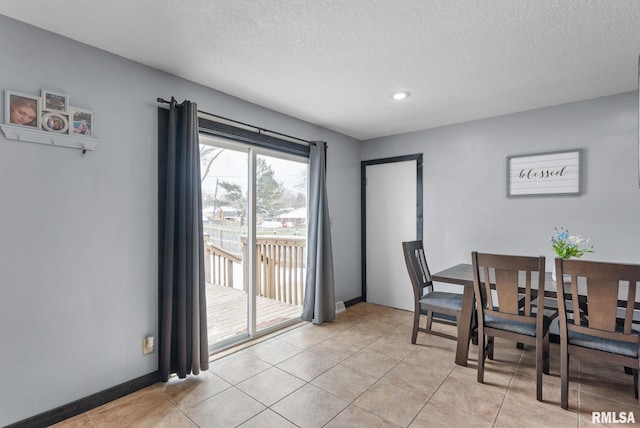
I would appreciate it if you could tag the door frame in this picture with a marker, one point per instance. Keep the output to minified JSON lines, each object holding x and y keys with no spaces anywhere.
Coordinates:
{"x":363,"y":206}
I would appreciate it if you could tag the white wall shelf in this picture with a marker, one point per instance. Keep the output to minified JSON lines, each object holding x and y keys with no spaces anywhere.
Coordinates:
{"x":22,"y":133}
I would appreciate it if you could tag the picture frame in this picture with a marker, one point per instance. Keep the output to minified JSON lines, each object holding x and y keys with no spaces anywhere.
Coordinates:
{"x":55,"y":122}
{"x":20,"y":109}
{"x":80,"y":122}
{"x":545,"y":174}
{"x":54,"y":101}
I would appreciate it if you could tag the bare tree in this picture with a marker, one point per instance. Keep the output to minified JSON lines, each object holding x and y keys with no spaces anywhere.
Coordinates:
{"x":205,"y":152}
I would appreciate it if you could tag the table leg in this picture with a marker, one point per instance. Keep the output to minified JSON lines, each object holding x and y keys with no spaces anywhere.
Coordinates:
{"x":465,"y":325}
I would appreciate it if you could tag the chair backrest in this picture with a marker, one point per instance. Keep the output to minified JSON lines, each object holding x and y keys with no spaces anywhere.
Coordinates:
{"x":417,"y":268}
{"x":604,"y":292}
{"x":500,"y":280}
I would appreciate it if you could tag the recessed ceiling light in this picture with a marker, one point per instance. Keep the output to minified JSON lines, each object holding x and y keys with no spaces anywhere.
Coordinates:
{"x":400,"y":95}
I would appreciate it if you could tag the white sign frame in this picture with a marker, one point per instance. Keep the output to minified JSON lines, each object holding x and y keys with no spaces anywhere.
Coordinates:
{"x":545,"y":174}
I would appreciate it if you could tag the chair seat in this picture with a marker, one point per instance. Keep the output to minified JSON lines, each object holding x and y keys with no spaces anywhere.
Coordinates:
{"x":607,"y":345}
{"x":519,"y":327}
{"x":443,"y":300}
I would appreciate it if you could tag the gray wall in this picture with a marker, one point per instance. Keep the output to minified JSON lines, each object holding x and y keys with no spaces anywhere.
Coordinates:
{"x":78,"y":244}
{"x":465,"y":201}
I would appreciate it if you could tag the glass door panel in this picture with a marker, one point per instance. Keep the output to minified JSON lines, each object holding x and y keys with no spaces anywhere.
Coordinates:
{"x":281,"y":222}
{"x":224,"y":173}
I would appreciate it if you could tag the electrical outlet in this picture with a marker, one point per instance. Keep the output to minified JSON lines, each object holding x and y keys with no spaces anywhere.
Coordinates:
{"x":148,"y":345}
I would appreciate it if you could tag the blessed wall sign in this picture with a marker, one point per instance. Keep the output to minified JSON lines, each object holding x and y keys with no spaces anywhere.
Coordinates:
{"x":552,"y":173}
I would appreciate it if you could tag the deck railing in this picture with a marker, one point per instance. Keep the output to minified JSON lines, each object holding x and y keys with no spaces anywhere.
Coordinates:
{"x":280,"y":266}
{"x":218,"y":264}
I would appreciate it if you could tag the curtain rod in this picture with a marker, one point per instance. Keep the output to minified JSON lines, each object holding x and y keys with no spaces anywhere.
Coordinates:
{"x":259,"y":130}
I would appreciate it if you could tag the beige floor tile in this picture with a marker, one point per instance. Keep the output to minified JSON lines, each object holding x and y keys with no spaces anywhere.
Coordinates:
{"x":441,"y":327}
{"x":496,"y":373}
{"x":306,"y":365}
{"x":355,"y":417}
{"x":185,"y":393}
{"x":523,"y":388}
{"x":133,"y":396}
{"x":397,"y":317}
{"x":270,"y":386}
{"x":371,"y":362}
{"x":371,"y":323}
{"x":344,"y":382}
{"x":274,"y":351}
{"x":267,"y":419}
{"x":334,"y":349}
{"x":366,"y":308}
{"x":306,"y":336}
{"x":357,"y":338}
{"x":615,"y":388}
{"x":238,"y":367}
{"x":397,"y":347}
{"x":393,"y":403}
{"x":518,"y":413}
{"x":145,"y":410}
{"x":309,"y":407}
{"x":437,"y":360}
{"x":590,"y":367}
{"x":461,"y":391}
{"x":175,"y":419}
{"x":333,"y":328}
{"x":417,"y":378}
{"x":80,"y":421}
{"x":375,"y":326}
{"x":438,"y":415}
{"x":403,"y":332}
{"x":528,"y":364}
{"x":427,"y":354}
{"x":431,"y":341}
{"x":227,"y":409}
{"x":332,"y":358}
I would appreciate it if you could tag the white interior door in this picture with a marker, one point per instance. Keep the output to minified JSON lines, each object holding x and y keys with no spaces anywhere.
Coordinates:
{"x":390,"y":219}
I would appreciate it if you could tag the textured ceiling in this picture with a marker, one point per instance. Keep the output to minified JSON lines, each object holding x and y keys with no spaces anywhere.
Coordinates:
{"x":335,"y":63}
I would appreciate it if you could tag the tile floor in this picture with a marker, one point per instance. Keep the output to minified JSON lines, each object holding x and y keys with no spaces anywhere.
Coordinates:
{"x":362,"y":371}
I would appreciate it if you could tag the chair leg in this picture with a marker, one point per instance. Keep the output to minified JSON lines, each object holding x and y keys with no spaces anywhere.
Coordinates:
{"x":635,"y":382}
{"x":490,"y":341}
{"x":416,"y":324}
{"x":545,"y":355}
{"x":429,"y":320}
{"x":540,"y":352}
{"x":564,"y":376}
{"x":481,"y":356}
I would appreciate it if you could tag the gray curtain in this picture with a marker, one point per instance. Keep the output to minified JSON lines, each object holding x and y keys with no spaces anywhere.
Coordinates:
{"x":183,"y":346}
{"x":319,"y":294}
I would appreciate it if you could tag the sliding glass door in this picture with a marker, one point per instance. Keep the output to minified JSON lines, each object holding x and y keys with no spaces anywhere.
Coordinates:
{"x":254,"y":208}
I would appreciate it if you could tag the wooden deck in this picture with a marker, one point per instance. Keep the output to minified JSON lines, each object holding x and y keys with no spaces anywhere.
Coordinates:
{"x":227,"y":312}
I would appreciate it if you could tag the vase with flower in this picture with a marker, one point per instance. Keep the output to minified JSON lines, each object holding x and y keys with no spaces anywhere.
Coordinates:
{"x":568,"y":246}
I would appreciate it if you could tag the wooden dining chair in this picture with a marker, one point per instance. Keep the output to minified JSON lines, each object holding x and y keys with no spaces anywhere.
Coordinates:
{"x":507,"y":306}
{"x":438,"y":306}
{"x":606,"y":296}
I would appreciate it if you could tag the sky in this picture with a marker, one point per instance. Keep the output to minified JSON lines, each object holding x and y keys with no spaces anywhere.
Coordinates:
{"x":231,"y":166}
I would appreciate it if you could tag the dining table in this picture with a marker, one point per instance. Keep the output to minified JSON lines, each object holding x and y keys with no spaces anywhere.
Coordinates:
{"x":462,"y":274}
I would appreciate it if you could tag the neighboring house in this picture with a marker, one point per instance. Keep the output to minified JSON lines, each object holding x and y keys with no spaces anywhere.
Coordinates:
{"x":294,"y":218}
